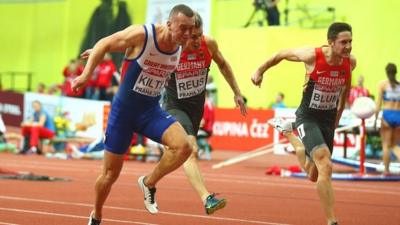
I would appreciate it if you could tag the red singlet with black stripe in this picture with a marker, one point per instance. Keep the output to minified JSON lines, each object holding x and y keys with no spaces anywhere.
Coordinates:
{"x":186,"y":88}
{"x":323,"y":89}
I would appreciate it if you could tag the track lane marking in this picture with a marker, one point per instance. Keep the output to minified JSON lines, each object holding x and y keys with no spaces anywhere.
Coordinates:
{"x":70,"y":216}
{"x":139,"y":210}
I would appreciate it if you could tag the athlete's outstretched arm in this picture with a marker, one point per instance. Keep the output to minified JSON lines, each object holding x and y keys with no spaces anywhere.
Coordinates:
{"x":226,"y":70}
{"x":345,"y":93}
{"x":305,"y":54}
{"x":117,"y":42}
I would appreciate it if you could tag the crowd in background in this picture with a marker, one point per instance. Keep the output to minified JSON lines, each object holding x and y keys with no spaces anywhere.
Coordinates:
{"x":102,"y":86}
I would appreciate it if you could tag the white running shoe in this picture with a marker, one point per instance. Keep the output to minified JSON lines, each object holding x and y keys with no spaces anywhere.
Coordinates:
{"x":281,"y":124}
{"x":149,"y":196}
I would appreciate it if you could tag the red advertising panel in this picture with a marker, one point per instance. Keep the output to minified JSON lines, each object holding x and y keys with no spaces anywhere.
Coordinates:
{"x":11,"y":107}
{"x":232,"y":131}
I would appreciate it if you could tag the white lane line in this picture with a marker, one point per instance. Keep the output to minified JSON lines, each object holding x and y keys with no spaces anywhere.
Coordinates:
{"x":71,"y":216}
{"x":8,"y":223}
{"x":141,"y":210}
{"x":304,"y":186}
{"x":261,"y":182}
{"x":136,"y":171}
{"x":224,"y":219}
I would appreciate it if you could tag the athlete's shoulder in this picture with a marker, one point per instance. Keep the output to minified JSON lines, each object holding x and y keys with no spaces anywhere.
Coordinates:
{"x":308,"y":50}
{"x":382,"y":85}
{"x":307,"y":54}
{"x":208,"y":38}
{"x":210,"y":41}
{"x":159,"y":28}
{"x":353,"y":61}
{"x":136,"y":32}
{"x":211,"y":44}
{"x":136,"y":28}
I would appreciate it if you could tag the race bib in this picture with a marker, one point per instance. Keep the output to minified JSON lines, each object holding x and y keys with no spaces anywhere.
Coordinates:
{"x":191,"y":83}
{"x":324,"y":100}
{"x":150,"y":82}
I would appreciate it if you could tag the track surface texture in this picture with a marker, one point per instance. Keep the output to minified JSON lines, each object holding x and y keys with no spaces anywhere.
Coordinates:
{"x":252,"y":197}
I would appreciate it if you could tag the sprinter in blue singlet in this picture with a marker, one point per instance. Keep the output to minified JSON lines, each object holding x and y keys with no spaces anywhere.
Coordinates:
{"x":151,"y":53}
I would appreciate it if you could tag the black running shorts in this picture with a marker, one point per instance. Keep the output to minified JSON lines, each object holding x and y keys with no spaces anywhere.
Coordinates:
{"x":315,"y":133}
{"x":190,"y":123}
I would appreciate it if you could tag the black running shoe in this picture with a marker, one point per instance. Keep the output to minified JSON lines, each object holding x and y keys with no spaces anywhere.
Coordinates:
{"x":213,"y":204}
{"x":93,"y":221}
{"x":334,"y":223}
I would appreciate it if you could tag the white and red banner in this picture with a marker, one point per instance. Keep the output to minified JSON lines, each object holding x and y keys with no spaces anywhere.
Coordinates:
{"x":232,"y":131}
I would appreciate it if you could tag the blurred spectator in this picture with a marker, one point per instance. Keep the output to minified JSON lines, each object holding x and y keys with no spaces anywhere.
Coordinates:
{"x":208,"y":119}
{"x":53,"y":89}
{"x":94,"y":150}
{"x":39,"y":126}
{"x":212,"y":90}
{"x":113,"y":89}
{"x":272,"y":12}
{"x":104,"y":73}
{"x":41,"y":88}
{"x":71,"y":71}
{"x":206,"y":129}
{"x":389,"y":100}
{"x":278,"y":101}
{"x":357,"y":91}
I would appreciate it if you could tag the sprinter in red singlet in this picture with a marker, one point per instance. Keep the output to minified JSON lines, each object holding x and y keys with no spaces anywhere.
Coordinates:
{"x":185,"y":96}
{"x":327,"y":83}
